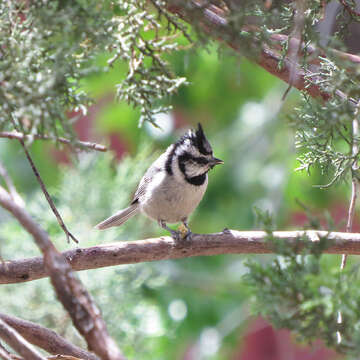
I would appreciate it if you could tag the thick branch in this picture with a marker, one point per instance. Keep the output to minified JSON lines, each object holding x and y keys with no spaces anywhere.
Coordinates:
{"x":213,"y":21}
{"x":164,"y":248}
{"x":46,"y":339}
{"x":76,"y":300}
{"x":18,"y":343}
{"x":79,"y":144}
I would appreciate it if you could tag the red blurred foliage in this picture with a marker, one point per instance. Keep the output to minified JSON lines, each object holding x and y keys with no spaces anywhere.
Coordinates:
{"x":263,"y":342}
{"x":338,"y":212}
{"x":84,"y":128}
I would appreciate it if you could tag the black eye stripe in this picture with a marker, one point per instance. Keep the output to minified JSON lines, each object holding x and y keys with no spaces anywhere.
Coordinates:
{"x":197,"y":159}
{"x":201,"y":160}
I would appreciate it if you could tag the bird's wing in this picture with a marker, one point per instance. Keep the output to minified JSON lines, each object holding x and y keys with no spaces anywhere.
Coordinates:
{"x":156,"y":167}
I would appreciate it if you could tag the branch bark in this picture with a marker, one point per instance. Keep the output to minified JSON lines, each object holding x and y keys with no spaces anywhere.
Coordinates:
{"x":76,"y":300}
{"x":165,"y":248}
{"x":213,"y":21}
{"x":18,"y":343}
{"x":46,"y":339}
{"x":79,"y":144}
{"x":4,"y":354}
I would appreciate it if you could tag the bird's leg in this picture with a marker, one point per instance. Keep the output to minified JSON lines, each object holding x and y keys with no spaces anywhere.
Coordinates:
{"x":174,"y":234}
{"x":189,"y":233}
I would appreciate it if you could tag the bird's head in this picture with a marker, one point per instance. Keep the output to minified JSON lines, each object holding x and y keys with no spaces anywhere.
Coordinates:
{"x":194,"y":154}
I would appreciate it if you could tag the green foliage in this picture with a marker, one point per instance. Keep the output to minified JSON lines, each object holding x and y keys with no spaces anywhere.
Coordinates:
{"x":143,"y":39}
{"x":48,"y":47}
{"x":299,"y":290}
{"x":324,"y":132}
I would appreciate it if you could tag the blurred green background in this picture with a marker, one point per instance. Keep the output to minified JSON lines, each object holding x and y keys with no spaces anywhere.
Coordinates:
{"x":196,"y":308}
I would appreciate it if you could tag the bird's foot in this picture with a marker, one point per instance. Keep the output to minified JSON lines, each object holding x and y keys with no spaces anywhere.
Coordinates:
{"x":185,"y":231}
{"x":176,"y":235}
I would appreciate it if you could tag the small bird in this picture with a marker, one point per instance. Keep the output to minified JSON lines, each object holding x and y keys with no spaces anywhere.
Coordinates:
{"x":173,"y":185}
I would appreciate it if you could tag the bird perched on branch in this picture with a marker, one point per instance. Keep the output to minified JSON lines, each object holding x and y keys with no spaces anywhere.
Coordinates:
{"x":173,"y":185}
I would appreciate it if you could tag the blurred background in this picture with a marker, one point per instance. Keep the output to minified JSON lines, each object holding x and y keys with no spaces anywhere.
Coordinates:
{"x":188,"y":309}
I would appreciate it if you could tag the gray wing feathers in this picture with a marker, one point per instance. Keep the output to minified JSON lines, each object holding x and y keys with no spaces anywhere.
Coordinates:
{"x":119,"y":218}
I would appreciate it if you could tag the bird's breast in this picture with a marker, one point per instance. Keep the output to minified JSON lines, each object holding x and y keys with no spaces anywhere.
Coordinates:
{"x":169,"y":199}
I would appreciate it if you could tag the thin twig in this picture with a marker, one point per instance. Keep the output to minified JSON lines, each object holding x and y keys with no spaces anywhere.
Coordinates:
{"x":46,"y":339}
{"x":79,"y":144}
{"x":354,"y":182}
{"x":165,"y":248}
{"x":354,"y":194}
{"x":47,"y":195}
{"x":83,"y":311}
{"x":18,"y":343}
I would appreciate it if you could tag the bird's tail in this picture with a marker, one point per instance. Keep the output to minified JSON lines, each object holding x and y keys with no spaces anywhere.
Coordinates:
{"x":119,"y":218}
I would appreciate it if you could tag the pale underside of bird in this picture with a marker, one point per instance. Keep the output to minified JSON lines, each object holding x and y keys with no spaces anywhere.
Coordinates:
{"x":173,"y":185}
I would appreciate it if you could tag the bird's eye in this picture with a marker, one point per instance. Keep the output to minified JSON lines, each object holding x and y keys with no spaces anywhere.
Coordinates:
{"x":201,"y":160}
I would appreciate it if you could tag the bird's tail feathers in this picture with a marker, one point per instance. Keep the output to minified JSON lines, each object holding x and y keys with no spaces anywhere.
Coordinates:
{"x":119,"y":218}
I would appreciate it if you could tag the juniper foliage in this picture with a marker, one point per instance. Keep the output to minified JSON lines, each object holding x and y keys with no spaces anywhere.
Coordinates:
{"x":48,"y":47}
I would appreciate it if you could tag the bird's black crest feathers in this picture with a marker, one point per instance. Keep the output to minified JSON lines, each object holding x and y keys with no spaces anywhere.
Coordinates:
{"x":197,"y":139}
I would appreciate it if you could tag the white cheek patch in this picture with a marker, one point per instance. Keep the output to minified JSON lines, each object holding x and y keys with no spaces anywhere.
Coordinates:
{"x":193,"y":169}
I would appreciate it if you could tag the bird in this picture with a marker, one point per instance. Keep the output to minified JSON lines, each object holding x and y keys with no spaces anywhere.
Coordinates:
{"x":173,"y":185}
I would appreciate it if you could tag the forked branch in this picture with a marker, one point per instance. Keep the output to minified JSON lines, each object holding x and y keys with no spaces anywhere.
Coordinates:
{"x":70,"y":291}
{"x":46,"y":339}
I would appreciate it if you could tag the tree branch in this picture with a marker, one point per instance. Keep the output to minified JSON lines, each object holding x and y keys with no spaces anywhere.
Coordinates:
{"x":18,"y":343}
{"x":69,"y":235}
{"x":76,"y":300}
{"x":4,"y":354}
{"x":165,"y":248}
{"x":213,"y":21}
{"x":79,"y":144}
{"x":46,"y":339}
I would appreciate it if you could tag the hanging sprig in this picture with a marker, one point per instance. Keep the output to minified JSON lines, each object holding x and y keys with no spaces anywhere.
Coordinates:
{"x":143,"y":40}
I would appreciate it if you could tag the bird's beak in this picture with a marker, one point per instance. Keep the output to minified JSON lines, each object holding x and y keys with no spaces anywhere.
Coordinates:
{"x":216,"y":161}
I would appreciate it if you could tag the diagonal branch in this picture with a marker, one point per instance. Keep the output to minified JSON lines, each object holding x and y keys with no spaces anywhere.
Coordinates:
{"x":47,"y":195}
{"x":165,"y":248}
{"x":46,"y":339}
{"x":70,"y":291}
{"x":18,"y":343}
{"x":213,"y":21}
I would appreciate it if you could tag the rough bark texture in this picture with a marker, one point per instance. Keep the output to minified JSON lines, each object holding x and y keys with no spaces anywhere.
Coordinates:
{"x":70,"y":291}
{"x":164,"y":248}
{"x":46,"y":339}
{"x":18,"y":343}
{"x":212,"y":20}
